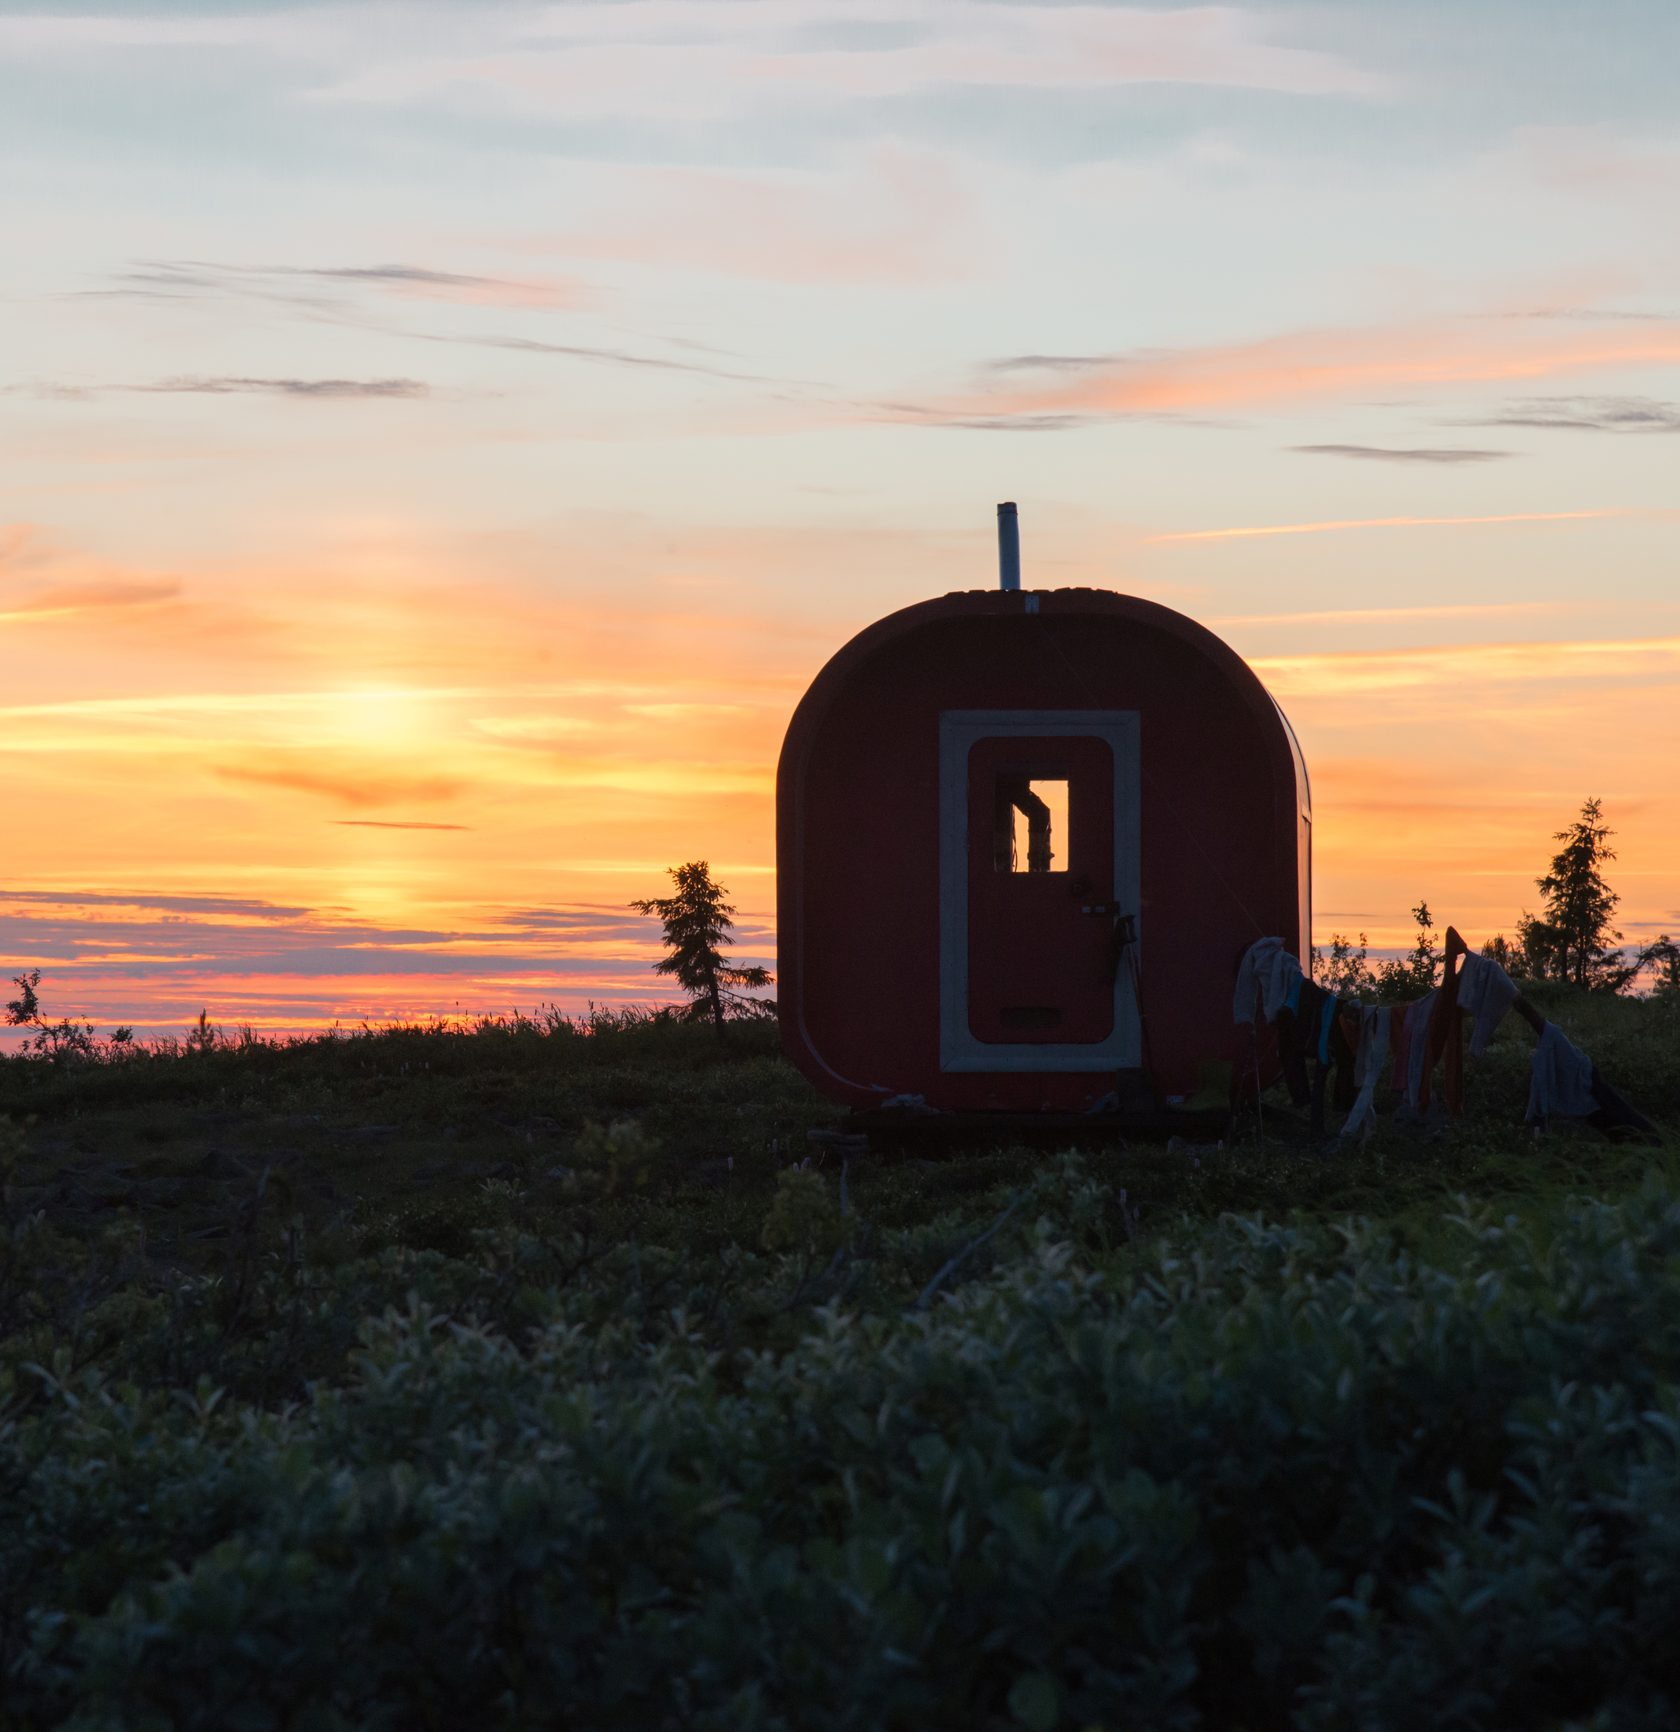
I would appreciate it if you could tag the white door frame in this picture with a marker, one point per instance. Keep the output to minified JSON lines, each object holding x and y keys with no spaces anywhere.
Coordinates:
{"x":959,"y":731}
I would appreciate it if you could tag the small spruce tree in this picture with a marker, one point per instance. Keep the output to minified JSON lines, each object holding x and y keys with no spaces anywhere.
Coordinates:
{"x":697,"y":921}
{"x":1573,"y":941}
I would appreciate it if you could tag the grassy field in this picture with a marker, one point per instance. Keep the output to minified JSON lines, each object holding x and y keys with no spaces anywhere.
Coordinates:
{"x":548,"y":1374}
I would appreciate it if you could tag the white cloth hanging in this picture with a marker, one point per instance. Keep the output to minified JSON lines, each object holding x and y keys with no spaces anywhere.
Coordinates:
{"x":1485,"y":993}
{"x":1369,"y":1063}
{"x":1266,"y":970}
{"x":1417,"y":1053}
{"x":1560,"y":1079}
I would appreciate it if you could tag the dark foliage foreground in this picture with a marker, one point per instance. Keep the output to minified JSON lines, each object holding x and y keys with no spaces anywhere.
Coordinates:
{"x":579,"y":1458}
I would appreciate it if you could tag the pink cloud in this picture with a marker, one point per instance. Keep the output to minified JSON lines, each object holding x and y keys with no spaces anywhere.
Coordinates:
{"x":1304,"y":366}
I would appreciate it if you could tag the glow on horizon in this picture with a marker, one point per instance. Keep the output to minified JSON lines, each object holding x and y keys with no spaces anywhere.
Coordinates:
{"x":428,"y":482}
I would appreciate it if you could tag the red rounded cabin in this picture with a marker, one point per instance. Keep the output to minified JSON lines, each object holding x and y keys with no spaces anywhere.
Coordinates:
{"x":1023,"y":838}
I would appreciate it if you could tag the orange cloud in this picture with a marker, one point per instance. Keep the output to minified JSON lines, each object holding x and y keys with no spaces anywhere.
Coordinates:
{"x":78,"y":599}
{"x":1467,"y":667}
{"x":371,"y":788}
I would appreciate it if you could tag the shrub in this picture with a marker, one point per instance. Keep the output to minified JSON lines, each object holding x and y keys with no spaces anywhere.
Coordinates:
{"x":1245,"y":1473}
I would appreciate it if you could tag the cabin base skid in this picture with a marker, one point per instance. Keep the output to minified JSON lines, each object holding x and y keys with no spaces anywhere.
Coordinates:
{"x":893,"y":1128}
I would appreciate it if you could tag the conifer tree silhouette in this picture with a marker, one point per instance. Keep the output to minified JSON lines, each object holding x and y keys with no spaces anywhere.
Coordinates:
{"x":1573,"y":940}
{"x":697,"y":921}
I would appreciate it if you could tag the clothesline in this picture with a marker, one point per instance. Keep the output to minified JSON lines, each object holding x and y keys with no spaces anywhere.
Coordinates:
{"x":1363,"y":1041}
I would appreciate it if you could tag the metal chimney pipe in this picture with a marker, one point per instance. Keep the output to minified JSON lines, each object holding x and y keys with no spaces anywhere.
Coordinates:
{"x":1009,"y":546}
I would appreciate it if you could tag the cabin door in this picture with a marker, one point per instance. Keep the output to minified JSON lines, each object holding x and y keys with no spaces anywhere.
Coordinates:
{"x":1039,"y":890}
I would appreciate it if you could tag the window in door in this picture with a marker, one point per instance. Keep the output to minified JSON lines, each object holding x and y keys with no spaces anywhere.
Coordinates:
{"x":1030,"y":822}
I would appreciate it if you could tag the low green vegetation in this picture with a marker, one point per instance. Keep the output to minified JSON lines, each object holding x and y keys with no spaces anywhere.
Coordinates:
{"x":550,"y":1374}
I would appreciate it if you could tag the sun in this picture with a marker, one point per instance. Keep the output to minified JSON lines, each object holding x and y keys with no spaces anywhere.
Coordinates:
{"x":386,"y":718}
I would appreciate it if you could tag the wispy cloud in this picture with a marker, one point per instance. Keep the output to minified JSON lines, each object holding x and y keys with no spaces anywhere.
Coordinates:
{"x":555,"y":293}
{"x":227,"y":907}
{"x":327,"y":294}
{"x":1590,"y":315}
{"x":393,"y":824}
{"x":588,"y":352}
{"x":1588,"y":415}
{"x":1246,"y":531}
{"x":322,"y":287}
{"x":1046,"y":363}
{"x":1012,"y":423}
{"x":1392,"y":454}
{"x":231,"y":385}
{"x":313,"y":389}
{"x":319,"y":294}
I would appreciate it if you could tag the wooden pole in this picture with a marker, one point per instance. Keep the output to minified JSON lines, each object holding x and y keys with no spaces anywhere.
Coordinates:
{"x":1452,"y":1081}
{"x":1444,"y":1032}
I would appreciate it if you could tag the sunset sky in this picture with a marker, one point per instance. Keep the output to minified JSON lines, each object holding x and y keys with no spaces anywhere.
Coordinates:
{"x":440,"y":442}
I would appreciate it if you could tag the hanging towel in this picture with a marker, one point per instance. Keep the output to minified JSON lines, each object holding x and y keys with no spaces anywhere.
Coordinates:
{"x":1344,"y":1052}
{"x":1292,"y":1054}
{"x":1267,"y":969}
{"x":1310,"y":1012}
{"x":1250,"y":976}
{"x":1371,"y":1057}
{"x":1326,"y":1024}
{"x":1417,"y":1051}
{"x":1400,"y":1044}
{"x":1485,"y":993}
{"x":1560,"y":1080}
